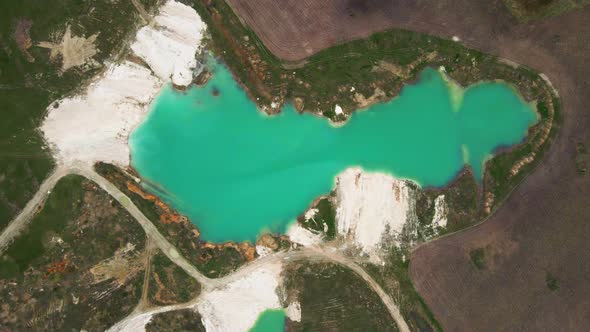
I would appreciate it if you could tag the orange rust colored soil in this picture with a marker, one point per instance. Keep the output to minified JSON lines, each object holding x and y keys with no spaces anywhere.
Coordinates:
{"x":57,"y":267}
{"x":168,"y":215}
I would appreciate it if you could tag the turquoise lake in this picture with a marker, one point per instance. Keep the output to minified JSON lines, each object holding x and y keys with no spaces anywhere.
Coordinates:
{"x":236,"y":172}
{"x":270,"y":321}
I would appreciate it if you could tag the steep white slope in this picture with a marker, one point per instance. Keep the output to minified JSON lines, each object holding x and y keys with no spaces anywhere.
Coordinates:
{"x":371,"y":206}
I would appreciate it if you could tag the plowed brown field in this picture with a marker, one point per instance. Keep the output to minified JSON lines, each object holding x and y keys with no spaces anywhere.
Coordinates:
{"x":544,"y":227}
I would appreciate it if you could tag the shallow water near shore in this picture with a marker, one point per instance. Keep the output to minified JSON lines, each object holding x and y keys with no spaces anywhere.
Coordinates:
{"x":270,"y":321}
{"x":236,"y":172}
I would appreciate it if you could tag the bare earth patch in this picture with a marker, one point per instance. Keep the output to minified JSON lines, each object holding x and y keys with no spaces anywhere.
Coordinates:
{"x":123,"y":266}
{"x":23,"y":38}
{"x":75,"y":51}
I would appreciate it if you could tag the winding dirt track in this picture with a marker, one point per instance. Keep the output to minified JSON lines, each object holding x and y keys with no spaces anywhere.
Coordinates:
{"x":155,"y":237}
{"x":314,"y":254}
{"x":27,"y":214}
{"x":544,"y":226}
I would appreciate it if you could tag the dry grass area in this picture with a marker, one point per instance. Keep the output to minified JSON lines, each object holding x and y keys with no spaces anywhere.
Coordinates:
{"x":532,"y":277}
{"x":125,"y":264}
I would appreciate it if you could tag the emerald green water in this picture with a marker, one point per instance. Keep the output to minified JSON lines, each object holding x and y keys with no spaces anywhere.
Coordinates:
{"x":270,"y":321}
{"x":236,"y":172}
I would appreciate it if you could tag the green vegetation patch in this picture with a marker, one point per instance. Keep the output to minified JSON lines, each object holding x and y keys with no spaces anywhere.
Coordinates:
{"x":63,"y":205}
{"x":58,"y":274}
{"x":176,"y":321}
{"x":463,"y":208}
{"x":582,"y":159}
{"x":212,"y":260}
{"x":333,"y":298}
{"x":218,"y":262}
{"x":478,"y":258}
{"x":551,"y":282}
{"x":120,"y":179}
{"x":394,"y":278}
{"x":170,"y":284}
{"x":324,"y":219}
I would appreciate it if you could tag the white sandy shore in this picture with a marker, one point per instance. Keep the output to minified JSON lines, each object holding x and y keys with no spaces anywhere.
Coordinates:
{"x":303,"y":236}
{"x":237,"y":306}
{"x":370,"y":206}
{"x":95,"y":125}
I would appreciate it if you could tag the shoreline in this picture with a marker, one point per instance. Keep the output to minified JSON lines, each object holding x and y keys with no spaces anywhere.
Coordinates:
{"x":465,"y":170}
{"x":77,"y":131}
{"x":146,"y":110}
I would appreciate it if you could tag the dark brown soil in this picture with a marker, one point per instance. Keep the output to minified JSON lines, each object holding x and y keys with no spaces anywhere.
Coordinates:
{"x":544,"y":226}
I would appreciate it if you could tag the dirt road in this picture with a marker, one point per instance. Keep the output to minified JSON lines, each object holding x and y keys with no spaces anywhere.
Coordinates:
{"x":141,"y":10}
{"x":27,"y":214}
{"x":155,"y":238}
{"x":22,"y":219}
{"x":309,"y":253}
{"x":335,"y":257}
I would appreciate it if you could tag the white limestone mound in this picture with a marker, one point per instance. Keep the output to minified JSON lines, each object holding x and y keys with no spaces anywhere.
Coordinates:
{"x":303,"y":236}
{"x":236,"y":306}
{"x":440,"y":212}
{"x":95,"y":125}
{"x":369,"y":207}
{"x":294,"y":311}
{"x":170,"y":45}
